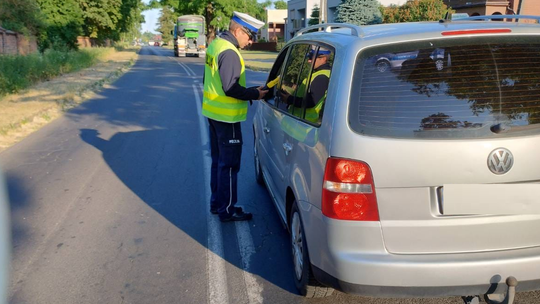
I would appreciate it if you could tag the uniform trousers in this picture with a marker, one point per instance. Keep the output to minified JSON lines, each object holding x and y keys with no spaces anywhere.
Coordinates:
{"x":226,"y":150}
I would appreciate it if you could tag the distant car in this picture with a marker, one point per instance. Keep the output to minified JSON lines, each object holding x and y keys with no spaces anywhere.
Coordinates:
{"x":156,"y":43}
{"x":409,"y":183}
{"x":391,"y":61}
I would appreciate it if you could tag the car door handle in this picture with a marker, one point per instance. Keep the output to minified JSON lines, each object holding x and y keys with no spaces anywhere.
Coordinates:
{"x":287,"y":147}
{"x":266,"y":130}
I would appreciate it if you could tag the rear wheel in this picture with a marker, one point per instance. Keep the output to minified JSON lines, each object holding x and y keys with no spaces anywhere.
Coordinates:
{"x":382,"y":66}
{"x":306,"y":284}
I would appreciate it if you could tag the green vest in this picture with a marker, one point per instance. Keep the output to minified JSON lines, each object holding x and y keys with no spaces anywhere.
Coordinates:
{"x":217,"y":105}
{"x":312,"y":114}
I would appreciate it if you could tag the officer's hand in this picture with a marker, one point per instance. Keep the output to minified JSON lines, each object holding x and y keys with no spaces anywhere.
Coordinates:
{"x":261,"y":92}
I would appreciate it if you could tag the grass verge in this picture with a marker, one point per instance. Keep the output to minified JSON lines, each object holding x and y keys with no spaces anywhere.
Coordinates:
{"x":31,"y":108}
{"x":20,"y":72}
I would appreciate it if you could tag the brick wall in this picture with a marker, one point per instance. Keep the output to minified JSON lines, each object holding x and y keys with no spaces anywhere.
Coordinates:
{"x":15,"y":43}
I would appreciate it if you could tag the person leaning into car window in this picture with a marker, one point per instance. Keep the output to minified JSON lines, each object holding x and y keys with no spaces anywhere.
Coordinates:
{"x":225,"y":104}
{"x":315,"y":94}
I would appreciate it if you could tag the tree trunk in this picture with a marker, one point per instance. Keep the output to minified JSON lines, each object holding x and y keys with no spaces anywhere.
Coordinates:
{"x":210,"y":29}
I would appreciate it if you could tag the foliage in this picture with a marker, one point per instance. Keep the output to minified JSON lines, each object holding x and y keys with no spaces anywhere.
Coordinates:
{"x":19,"y":72}
{"x":166,"y":23}
{"x":390,"y":14}
{"x":359,"y":12}
{"x":129,"y":24}
{"x":23,"y":16}
{"x":218,"y":13}
{"x":280,"y":4}
{"x":415,"y":10}
{"x":422,"y":10}
{"x":64,"y":24}
{"x":315,"y":13}
{"x":100,"y":18}
{"x":147,"y":36}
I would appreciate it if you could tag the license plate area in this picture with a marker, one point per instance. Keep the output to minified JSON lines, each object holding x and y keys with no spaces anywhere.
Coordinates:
{"x":489,"y":199}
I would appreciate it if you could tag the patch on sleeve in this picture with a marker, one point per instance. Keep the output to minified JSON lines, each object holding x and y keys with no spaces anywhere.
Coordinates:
{"x":210,"y":60}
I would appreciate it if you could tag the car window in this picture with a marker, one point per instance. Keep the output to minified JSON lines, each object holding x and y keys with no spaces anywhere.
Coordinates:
{"x":295,"y":70}
{"x":274,"y":77}
{"x":305,"y":78}
{"x":448,"y":89}
{"x":317,"y":86}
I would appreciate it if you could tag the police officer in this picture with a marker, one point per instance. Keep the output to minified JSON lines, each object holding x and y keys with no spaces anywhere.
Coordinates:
{"x":315,"y":95}
{"x":225,"y":104}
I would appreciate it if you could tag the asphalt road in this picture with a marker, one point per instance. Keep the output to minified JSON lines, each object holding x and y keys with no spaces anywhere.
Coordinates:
{"x":109,"y":204}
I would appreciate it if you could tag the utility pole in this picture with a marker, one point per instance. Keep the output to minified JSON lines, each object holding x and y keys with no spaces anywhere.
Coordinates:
{"x":322,"y":12}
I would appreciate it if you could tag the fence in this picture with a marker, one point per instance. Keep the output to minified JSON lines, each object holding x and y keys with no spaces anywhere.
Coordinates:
{"x":14,"y":43}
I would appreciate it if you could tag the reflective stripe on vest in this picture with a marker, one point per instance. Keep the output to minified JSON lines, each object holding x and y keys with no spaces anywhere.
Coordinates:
{"x":217,"y":105}
{"x":312,"y":114}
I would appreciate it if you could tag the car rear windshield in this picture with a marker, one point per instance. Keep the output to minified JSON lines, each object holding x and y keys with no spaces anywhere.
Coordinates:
{"x":454,"y":88}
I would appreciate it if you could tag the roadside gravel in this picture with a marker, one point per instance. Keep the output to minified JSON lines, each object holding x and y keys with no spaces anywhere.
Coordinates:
{"x":25,"y":112}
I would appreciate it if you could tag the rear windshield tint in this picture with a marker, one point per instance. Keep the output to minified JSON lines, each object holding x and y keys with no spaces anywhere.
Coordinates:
{"x":474,"y":88}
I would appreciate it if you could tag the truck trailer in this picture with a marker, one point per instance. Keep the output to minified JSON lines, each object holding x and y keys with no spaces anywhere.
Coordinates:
{"x":189,"y":36}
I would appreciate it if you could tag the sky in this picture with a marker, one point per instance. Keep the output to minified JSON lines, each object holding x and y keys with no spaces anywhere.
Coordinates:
{"x":150,"y":18}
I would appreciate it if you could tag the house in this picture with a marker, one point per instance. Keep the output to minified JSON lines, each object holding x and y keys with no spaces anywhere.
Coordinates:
{"x":276,"y":25}
{"x":495,"y":7}
{"x":299,"y":13}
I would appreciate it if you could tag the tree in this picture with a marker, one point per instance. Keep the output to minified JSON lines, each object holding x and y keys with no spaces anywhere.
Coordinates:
{"x":359,"y":12}
{"x":280,"y":4}
{"x":315,"y":13}
{"x":166,"y":23}
{"x":390,"y":14}
{"x":422,"y":10}
{"x":23,"y":16}
{"x":131,"y":18}
{"x":64,"y":19}
{"x":101,"y":18}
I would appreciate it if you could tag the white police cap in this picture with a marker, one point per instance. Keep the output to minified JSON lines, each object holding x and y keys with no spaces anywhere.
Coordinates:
{"x":247,"y":21}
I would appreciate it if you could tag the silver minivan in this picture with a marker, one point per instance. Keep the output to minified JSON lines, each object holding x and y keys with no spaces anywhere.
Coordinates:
{"x":418,"y":181}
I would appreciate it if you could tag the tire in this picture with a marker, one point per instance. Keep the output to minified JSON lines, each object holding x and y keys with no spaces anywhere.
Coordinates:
{"x":306,"y":284}
{"x":257,"y":164}
{"x":382,"y":66}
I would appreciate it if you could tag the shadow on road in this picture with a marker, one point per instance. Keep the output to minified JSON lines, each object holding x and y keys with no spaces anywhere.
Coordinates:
{"x":162,"y":164}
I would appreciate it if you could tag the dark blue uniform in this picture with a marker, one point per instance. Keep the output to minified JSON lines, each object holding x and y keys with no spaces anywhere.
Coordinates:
{"x":226,"y":138}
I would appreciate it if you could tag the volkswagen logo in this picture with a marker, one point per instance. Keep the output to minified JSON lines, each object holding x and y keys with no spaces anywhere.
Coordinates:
{"x":500,"y":161}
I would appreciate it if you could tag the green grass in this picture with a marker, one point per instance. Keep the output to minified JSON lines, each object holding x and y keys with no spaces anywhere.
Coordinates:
{"x":20,"y":72}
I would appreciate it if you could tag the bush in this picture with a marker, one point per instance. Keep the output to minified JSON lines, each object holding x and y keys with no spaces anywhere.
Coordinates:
{"x":19,"y":72}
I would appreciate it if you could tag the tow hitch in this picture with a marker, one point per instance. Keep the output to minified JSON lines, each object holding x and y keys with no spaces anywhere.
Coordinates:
{"x":511,"y":282}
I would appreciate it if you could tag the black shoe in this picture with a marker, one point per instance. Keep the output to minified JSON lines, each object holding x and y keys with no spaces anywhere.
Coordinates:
{"x":244,"y":216}
{"x":236,"y":210}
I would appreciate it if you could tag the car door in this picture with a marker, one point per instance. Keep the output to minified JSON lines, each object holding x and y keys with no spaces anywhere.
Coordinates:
{"x":289,"y":88}
{"x":307,"y":156}
{"x":286,"y":75}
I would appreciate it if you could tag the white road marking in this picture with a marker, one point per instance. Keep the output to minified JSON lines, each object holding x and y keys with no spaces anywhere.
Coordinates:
{"x":246,"y":247}
{"x":188,"y":70}
{"x":217,"y":277}
{"x":243,"y":233}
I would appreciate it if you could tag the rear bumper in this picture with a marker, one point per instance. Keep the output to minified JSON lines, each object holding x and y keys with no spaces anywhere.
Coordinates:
{"x":497,"y":287}
{"x":351,"y":257}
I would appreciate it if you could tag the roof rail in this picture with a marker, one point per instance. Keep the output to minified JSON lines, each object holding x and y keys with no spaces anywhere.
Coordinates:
{"x":327,"y":27}
{"x":491,"y":17}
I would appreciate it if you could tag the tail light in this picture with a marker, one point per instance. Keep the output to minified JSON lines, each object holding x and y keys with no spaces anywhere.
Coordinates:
{"x":348,"y":191}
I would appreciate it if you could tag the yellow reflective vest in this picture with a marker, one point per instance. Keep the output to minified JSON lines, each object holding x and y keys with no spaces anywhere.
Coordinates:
{"x":312,"y":114}
{"x":217,"y":105}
